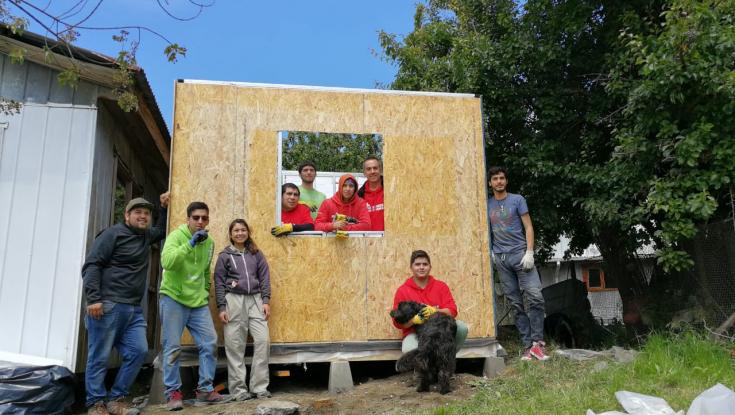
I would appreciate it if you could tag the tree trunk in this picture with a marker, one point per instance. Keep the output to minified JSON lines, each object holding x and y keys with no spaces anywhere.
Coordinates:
{"x":621,"y":265}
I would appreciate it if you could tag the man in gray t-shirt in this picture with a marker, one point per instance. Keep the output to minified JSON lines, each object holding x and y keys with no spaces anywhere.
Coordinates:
{"x":512,"y":239}
{"x":505,"y":223}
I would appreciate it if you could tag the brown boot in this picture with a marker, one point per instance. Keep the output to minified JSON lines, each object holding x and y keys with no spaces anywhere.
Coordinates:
{"x":98,"y":408}
{"x":120,"y":407}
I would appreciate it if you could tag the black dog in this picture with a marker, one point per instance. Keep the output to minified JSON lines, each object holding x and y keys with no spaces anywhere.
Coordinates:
{"x":434,"y":360}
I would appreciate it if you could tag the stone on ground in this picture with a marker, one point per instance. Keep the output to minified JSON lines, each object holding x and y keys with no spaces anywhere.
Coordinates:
{"x":272,"y":407}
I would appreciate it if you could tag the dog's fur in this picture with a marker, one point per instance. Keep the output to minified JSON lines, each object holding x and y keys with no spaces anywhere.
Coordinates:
{"x":434,"y":360}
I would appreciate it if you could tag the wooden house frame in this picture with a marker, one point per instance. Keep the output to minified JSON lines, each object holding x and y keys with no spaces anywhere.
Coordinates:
{"x":331,"y":298}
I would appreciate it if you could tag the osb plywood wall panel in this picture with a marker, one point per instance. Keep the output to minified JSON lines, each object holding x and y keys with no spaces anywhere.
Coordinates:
{"x":327,"y":290}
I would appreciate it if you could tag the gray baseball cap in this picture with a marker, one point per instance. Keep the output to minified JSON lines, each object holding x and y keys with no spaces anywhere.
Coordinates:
{"x":138,"y":202}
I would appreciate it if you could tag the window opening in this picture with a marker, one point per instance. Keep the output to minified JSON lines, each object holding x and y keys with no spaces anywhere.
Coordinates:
{"x":124,"y":190}
{"x":333,"y":154}
{"x":594,"y":279}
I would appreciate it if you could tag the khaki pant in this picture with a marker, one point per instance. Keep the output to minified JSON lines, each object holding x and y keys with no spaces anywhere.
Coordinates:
{"x":246,"y":312}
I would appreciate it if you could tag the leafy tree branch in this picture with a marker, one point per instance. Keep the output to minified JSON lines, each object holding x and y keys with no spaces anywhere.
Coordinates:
{"x":65,"y":26}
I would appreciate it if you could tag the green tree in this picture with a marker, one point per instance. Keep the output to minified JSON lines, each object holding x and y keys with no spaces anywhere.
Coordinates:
{"x":566,"y":88}
{"x":677,"y":130}
{"x":330,"y":151}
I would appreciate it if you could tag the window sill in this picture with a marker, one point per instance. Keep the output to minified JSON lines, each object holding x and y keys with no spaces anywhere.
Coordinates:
{"x":356,"y":234}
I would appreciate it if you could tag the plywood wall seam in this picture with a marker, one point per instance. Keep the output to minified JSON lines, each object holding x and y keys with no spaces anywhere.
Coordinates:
{"x":364,"y":113}
{"x":243,"y":167}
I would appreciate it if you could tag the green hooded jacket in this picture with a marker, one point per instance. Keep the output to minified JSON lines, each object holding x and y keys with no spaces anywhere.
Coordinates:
{"x":186,"y":273}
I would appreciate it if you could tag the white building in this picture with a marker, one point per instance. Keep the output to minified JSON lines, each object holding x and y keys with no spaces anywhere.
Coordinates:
{"x":67,"y":161}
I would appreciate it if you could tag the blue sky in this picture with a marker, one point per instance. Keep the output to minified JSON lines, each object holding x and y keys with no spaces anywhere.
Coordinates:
{"x":324,"y":43}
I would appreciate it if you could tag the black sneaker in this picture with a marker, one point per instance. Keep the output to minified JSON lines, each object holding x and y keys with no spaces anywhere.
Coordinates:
{"x":211,"y":398}
{"x":245,"y":396}
{"x":263,"y":395}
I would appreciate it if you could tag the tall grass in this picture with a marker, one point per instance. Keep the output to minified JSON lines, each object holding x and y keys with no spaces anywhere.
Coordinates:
{"x":674,"y":367}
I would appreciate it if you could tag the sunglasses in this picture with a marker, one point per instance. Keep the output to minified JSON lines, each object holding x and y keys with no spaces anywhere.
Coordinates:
{"x":196,"y":218}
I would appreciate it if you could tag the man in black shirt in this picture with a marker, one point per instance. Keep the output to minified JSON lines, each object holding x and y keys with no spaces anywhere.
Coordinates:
{"x":114,"y":274}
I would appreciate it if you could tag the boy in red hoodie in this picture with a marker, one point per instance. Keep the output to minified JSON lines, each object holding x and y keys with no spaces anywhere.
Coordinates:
{"x":347,"y":203}
{"x":423,"y":288}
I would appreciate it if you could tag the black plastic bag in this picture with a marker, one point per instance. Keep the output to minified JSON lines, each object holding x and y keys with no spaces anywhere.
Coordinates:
{"x":35,"y":389}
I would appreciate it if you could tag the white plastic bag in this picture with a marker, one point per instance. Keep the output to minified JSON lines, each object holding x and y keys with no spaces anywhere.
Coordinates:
{"x":639,"y":404}
{"x":717,"y":400}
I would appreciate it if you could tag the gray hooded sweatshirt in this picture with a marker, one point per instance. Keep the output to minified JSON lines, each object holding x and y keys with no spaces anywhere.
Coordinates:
{"x":241,"y":273}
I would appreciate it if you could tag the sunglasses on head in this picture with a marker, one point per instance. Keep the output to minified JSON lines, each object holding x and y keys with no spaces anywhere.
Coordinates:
{"x":196,"y":218}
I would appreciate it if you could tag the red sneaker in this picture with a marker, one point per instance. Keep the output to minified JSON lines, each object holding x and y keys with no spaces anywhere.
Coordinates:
{"x":175,"y":401}
{"x":527,"y":355}
{"x":538,"y":350}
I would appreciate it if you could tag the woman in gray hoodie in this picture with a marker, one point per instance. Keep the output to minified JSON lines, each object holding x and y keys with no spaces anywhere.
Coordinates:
{"x":243,"y":289}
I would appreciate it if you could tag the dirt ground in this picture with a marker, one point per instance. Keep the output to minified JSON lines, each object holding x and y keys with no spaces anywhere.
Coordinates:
{"x":385,"y":394}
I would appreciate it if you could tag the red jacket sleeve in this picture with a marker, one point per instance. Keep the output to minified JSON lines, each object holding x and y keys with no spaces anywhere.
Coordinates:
{"x":447,"y":301}
{"x":324,"y":217}
{"x":363,"y":218}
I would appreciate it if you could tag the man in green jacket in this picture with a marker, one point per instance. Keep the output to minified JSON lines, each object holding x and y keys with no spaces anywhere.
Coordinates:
{"x":309,"y":196}
{"x":184,"y":303}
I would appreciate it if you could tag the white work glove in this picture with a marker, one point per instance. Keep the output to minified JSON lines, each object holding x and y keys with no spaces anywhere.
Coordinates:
{"x":527,"y":261}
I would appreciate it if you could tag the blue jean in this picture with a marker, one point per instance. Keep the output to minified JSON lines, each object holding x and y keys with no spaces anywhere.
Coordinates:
{"x":517,"y":283}
{"x":174,"y":317}
{"x":122,"y":326}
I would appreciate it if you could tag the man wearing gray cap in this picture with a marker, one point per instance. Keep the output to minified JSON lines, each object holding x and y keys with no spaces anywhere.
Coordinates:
{"x":114,"y":274}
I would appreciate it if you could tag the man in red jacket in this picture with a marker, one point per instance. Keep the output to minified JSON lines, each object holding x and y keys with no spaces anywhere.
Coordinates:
{"x":295,"y":216}
{"x":345,"y":211}
{"x":423,"y":288}
{"x":372,"y":192}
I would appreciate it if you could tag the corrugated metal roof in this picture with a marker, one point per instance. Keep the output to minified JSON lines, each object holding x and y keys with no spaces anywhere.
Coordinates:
{"x":591,"y":253}
{"x":99,"y":59}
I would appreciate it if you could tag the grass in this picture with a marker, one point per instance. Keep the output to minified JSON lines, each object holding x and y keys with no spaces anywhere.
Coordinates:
{"x":674,"y":367}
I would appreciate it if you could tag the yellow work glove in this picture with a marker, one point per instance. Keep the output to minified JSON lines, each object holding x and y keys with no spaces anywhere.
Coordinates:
{"x":417,"y":319}
{"x":344,"y":218}
{"x":342,"y":235}
{"x":281,"y":230}
{"x":428,"y":311}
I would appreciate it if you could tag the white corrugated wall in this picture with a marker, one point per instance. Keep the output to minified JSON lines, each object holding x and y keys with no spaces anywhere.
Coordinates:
{"x":46,"y":159}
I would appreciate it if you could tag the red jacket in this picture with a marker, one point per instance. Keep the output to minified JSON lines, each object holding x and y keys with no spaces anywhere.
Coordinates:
{"x":356,"y":208}
{"x":374,"y":201}
{"x":299,"y":216}
{"x":436,"y":294}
